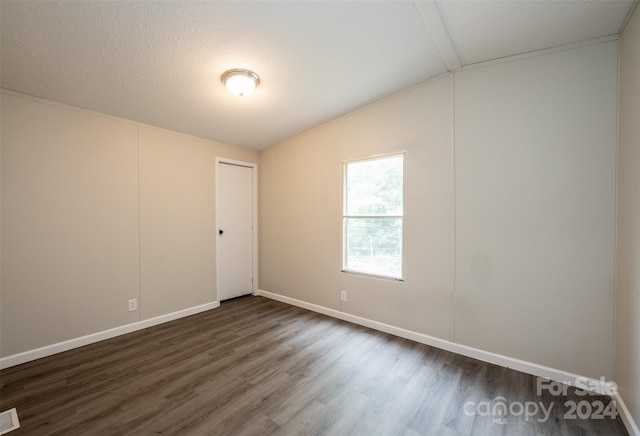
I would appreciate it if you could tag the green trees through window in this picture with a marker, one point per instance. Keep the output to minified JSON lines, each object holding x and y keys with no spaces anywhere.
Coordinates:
{"x":373,"y":216}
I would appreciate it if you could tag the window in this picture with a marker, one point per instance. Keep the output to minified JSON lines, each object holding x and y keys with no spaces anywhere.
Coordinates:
{"x":373,"y":217}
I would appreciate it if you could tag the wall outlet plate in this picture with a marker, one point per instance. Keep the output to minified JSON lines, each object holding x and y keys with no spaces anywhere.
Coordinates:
{"x":343,"y":295}
{"x":133,"y":305}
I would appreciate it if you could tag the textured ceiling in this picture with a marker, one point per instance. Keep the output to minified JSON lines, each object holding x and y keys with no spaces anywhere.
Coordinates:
{"x":159,"y":62}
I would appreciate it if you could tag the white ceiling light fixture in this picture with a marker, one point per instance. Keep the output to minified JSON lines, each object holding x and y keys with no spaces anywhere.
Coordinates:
{"x":240,"y":82}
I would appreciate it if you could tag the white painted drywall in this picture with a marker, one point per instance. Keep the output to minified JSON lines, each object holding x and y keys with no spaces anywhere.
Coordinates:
{"x":627,"y":372}
{"x":301,"y":201}
{"x":96,"y":211}
{"x":418,"y":122}
{"x":70,"y":223}
{"x":534,"y":166}
{"x":535,"y":208}
{"x":177,"y":219}
{"x":300,"y":213}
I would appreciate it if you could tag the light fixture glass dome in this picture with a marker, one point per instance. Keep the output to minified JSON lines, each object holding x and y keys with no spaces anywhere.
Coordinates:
{"x":240,"y":82}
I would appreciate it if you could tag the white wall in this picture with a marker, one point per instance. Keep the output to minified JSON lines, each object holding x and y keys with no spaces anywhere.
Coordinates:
{"x":534,"y":198}
{"x":418,"y":121}
{"x":299,"y":216}
{"x":178,"y":219}
{"x":535,"y":208}
{"x":301,"y":201}
{"x":96,"y":211}
{"x":627,"y":374}
{"x":69,"y":221}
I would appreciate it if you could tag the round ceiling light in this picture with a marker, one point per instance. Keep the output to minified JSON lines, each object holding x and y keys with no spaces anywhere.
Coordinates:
{"x":240,"y":82}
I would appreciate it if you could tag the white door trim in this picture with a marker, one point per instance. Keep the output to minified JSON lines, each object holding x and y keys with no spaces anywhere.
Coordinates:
{"x":254,"y":220}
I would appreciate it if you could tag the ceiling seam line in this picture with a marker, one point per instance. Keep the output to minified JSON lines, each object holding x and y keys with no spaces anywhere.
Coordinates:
{"x":451,"y":60}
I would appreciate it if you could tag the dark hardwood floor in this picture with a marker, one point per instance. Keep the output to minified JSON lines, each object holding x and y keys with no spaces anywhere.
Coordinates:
{"x":260,"y":367}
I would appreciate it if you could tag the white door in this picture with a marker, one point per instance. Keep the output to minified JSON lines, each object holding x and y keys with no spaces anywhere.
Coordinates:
{"x":235,"y":230}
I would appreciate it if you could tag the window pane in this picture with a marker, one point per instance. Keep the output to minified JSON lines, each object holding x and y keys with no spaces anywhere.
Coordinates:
{"x":374,"y":246}
{"x":374,"y":187}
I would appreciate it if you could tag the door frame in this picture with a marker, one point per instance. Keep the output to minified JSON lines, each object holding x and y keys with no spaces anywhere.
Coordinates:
{"x":254,"y":220}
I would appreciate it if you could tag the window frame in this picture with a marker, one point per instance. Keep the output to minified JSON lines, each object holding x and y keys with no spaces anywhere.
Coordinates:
{"x":346,"y":216}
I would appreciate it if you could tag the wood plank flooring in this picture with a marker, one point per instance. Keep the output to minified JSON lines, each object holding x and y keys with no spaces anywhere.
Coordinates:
{"x":259,"y":367}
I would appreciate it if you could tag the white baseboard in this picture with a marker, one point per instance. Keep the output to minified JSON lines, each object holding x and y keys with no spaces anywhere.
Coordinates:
{"x":59,"y":347}
{"x":626,"y":417}
{"x":597,"y":386}
{"x":486,"y":356}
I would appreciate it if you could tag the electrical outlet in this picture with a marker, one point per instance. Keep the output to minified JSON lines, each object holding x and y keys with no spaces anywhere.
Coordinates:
{"x":133,"y":305}
{"x":343,"y":295}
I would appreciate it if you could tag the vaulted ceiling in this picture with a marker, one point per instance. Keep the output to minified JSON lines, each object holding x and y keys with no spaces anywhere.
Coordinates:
{"x":159,"y":62}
